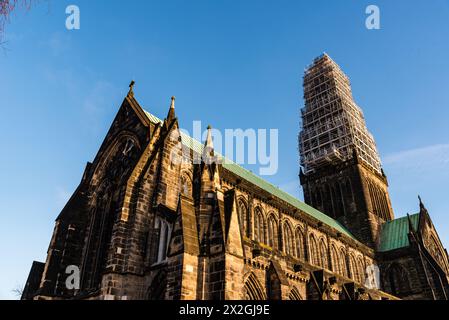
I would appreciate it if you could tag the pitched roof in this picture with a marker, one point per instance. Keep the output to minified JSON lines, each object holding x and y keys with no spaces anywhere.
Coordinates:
{"x":394,"y":234}
{"x":247,"y":175}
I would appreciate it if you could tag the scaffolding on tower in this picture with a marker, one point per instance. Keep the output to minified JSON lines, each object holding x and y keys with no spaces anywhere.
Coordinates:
{"x":333,"y":124}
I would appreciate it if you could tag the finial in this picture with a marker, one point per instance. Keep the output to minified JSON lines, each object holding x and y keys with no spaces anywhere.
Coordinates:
{"x":173,"y":99}
{"x":209,"y":144}
{"x":131,"y":88}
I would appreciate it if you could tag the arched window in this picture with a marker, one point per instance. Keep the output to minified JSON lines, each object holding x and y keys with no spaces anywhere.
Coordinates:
{"x":313,"y":251}
{"x":272,"y":232}
{"x":163,"y":230}
{"x":273,"y":285}
{"x":294,"y":295}
{"x":361,"y":270}
{"x":353,"y":268}
{"x":299,"y":236}
{"x":186,"y":185}
{"x":335,"y":260}
{"x":398,"y":280}
{"x":244,"y":217}
{"x":343,"y":267}
{"x":259,"y":227}
{"x":289,"y":246}
{"x":323,"y":255}
{"x":252,"y":289}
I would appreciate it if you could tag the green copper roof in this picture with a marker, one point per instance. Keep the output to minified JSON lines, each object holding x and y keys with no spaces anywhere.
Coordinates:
{"x":394,"y":234}
{"x":197,"y":146}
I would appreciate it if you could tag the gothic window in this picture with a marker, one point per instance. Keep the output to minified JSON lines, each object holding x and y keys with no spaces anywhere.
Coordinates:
{"x":288,"y":239}
{"x":386,"y":211}
{"x":398,"y":280}
{"x":294,"y":295}
{"x":335,"y":260}
{"x":163,"y":231}
{"x":128,"y":147}
{"x":244,"y":217}
{"x":323,"y":255}
{"x":299,"y":243}
{"x":313,"y":251}
{"x":259,"y":227}
{"x":343,"y":267}
{"x":274,"y":285}
{"x":373,"y":198}
{"x":361,"y":270}
{"x":252,"y":289}
{"x":186,"y":185}
{"x":353,"y":268}
{"x":272,"y":232}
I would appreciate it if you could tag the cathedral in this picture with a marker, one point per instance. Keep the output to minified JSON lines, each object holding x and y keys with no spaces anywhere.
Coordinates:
{"x":141,"y":226}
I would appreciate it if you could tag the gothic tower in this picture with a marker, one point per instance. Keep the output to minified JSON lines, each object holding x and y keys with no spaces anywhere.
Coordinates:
{"x":341,"y":172}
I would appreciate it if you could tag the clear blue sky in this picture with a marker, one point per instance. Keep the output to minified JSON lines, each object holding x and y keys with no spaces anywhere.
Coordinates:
{"x":231,"y":64}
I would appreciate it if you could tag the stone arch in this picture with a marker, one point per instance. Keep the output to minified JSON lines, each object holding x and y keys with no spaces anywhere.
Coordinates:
{"x":99,"y":232}
{"x":252,"y":288}
{"x":288,"y":237}
{"x":343,"y":266}
{"x":323,"y":254}
{"x":186,"y":184}
{"x":313,"y":250}
{"x":162,"y":232}
{"x":335,"y":260}
{"x":259,"y":225}
{"x":361,"y":270}
{"x":353,"y":267}
{"x":123,"y":144}
{"x":294,"y":294}
{"x":398,"y":280}
{"x":272,"y":231}
{"x":244,"y":217}
{"x":299,"y":237}
{"x":274,"y":290}
{"x":372,"y":197}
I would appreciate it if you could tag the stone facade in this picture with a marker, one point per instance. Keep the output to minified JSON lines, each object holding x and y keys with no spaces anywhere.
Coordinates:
{"x":143,"y":226}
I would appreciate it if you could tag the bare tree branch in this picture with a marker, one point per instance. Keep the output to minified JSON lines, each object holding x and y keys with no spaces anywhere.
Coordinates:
{"x":18,"y":291}
{"x":6,"y":8}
